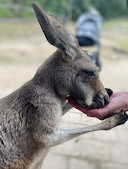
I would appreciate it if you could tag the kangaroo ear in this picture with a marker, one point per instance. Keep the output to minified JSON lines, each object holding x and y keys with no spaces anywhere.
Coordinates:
{"x":56,"y":33}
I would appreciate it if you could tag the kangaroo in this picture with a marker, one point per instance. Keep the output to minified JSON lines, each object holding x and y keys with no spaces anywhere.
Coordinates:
{"x":30,"y":116}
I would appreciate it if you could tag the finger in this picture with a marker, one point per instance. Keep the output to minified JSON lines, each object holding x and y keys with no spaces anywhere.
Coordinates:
{"x":98,"y":116}
{"x":99,"y":113}
{"x":94,"y":114}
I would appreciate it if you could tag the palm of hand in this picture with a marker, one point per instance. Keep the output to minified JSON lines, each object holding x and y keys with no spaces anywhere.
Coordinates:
{"x":117,"y":102}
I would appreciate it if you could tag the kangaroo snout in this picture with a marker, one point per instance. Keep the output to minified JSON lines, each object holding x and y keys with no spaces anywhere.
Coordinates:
{"x":93,"y":99}
{"x":100,"y":100}
{"x":97,"y":101}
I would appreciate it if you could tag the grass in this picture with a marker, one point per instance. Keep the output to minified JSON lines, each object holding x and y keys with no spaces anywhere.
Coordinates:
{"x":116,"y":24}
{"x":13,"y":13}
{"x":116,"y":31}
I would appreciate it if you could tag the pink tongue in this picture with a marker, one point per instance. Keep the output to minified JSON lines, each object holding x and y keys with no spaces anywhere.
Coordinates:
{"x":77,"y":106}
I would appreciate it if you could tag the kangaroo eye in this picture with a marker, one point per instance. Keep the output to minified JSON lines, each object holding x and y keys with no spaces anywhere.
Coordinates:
{"x":89,"y":73}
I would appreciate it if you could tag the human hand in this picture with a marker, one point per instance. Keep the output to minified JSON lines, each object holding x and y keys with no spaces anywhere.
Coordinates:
{"x":117,"y":102}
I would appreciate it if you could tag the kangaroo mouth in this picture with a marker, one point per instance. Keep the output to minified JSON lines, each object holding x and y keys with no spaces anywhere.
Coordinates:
{"x":76,"y":103}
{"x":97,"y":102}
{"x":79,"y":104}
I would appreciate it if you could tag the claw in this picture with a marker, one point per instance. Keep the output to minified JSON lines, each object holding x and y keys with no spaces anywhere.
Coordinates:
{"x":124,"y":118}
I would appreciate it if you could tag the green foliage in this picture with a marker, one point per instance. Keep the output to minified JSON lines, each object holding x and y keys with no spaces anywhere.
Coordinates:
{"x":107,"y":8}
{"x":111,"y":8}
{"x":80,"y":6}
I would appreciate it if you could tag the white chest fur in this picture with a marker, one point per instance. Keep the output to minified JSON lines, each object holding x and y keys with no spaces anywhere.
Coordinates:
{"x":38,"y":159}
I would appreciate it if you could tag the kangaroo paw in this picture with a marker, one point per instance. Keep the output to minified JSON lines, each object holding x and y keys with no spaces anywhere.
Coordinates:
{"x":116,"y":120}
{"x":121,"y":118}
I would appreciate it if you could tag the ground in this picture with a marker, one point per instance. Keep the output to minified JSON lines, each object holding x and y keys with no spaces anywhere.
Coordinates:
{"x":23,"y":48}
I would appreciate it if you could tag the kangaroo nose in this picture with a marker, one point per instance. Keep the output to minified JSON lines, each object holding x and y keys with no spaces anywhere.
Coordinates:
{"x":109,"y":91}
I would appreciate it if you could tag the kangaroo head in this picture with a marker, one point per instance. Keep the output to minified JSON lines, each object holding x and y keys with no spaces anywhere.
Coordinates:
{"x":75,"y":75}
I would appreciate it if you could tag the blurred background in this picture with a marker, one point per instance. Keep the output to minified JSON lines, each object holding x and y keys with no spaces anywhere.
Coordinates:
{"x":23,"y":48}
